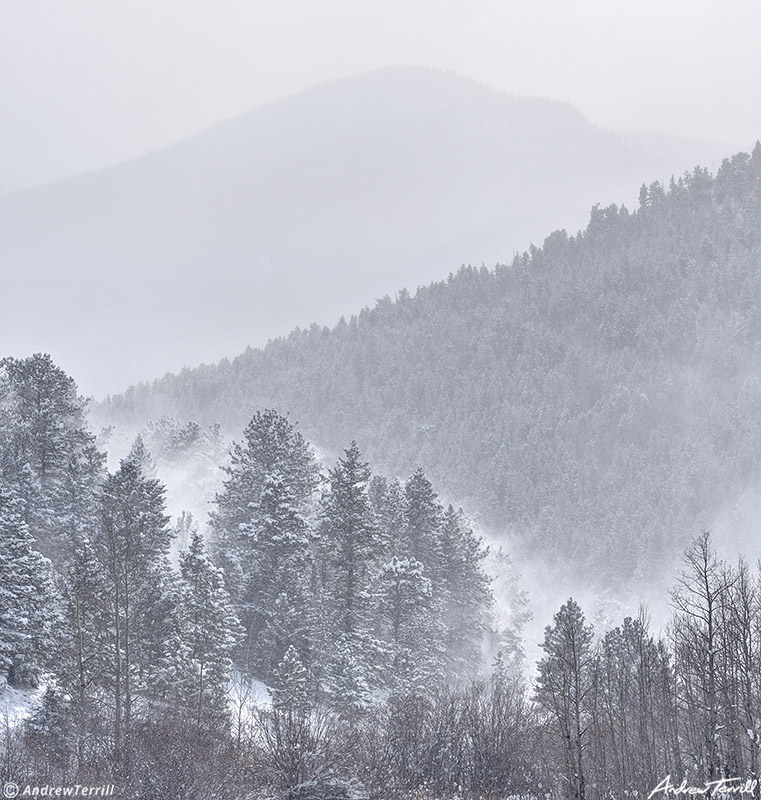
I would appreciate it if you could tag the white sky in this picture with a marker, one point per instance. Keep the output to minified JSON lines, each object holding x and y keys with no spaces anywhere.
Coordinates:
{"x":87,"y":83}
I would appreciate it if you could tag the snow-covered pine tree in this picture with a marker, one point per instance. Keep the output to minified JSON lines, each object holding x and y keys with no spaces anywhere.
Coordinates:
{"x":209,"y":631}
{"x":82,"y":646}
{"x":27,"y":602}
{"x":278,"y":571}
{"x":512,"y":612}
{"x":466,"y":595}
{"x":140,"y":453}
{"x":82,"y":601}
{"x":407,"y":623}
{"x":389,"y":504}
{"x":424,"y":518}
{"x":77,"y":491}
{"x":271,"y":444}
{"x":262,"y":538}
{"x":131,"y":546}
{"x":351,"y":667}
{"x":49,"y":730}
{"x":290,"y":692}
{"x":42,"y":431}
{"x":350,"y":549}
{"x":298,"y":739}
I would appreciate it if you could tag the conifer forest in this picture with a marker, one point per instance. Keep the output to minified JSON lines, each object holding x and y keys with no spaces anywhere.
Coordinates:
{"x":380,"y":400}
{"x":331,"y":631}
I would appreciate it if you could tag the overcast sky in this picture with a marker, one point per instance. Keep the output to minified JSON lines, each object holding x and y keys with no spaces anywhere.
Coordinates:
{"x":88,"y":83}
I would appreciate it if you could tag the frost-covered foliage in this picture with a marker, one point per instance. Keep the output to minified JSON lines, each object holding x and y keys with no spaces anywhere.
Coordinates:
{"x":368,"y":584}
{"x":112,"y":628}
{"x":367,"y":610}
{"x":326,"y":573}
{"x":575,"y":394}
{"x":599,"y":396}
{"x":47,"y":456}
{"x":26,"y":610}
{"x":207,"y":633}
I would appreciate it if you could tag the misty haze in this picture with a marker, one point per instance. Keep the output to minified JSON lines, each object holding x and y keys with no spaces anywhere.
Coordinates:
{"x":380,"y":400}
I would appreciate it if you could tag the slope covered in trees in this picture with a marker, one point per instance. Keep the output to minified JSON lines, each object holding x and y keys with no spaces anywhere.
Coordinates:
{"x":335,"y":589}
{"x":600,"y":397}
{"x":364,"y":605}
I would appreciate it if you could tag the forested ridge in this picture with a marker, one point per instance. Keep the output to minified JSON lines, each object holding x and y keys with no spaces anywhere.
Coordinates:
{"x":362,"y":607}
{"x":598,"y":398}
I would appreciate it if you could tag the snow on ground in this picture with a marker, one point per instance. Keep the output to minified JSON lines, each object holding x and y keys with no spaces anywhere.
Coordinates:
{"x":246,"y":698}
{"x":18,"y":704}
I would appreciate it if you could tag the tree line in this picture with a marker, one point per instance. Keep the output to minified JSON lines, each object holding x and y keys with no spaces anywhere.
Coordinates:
{"x":330,"y":588}
{"x":361,"y":603}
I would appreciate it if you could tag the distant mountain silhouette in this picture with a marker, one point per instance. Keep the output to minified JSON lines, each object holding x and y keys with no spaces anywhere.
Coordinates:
{"x":300,"y":211}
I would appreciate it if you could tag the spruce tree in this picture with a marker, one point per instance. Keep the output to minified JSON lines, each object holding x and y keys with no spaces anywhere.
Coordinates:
{"x":27,"y":602}
{"x":42,"y":436}
{"x":208,"y":631}
{"x":407,"y":621}
{"x":262,"y":539}
{"x":350,"y":548}
{"x":276,"y":595}
{"x":424,"y":517}
{"x":389,"y":504}
{"x":291,"y":684}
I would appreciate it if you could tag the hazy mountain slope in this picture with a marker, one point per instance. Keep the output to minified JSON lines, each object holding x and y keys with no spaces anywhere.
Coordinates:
{"x":600,"y":398}
{"x":297,"y":212}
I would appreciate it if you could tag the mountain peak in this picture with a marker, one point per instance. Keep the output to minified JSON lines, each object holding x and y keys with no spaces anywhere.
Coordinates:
{"x":299,"y":211}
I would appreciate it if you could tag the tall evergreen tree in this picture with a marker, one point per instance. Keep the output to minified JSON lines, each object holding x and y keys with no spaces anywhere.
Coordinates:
{"x":277,"y":594}
{"x":407,"y":622}
{"x":131,"y":546}
{"x":263,"y":540}
{"x":83,"y":646}
{"x":424,"y":518}
{"x":44,"y":445}
{"x":466,"y":595}
{"x":27,"y":610}
{"x":291,"y":685}
{"x":208,"y":633}
{"x":350,"y":549}
{"x":389,"y":504}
